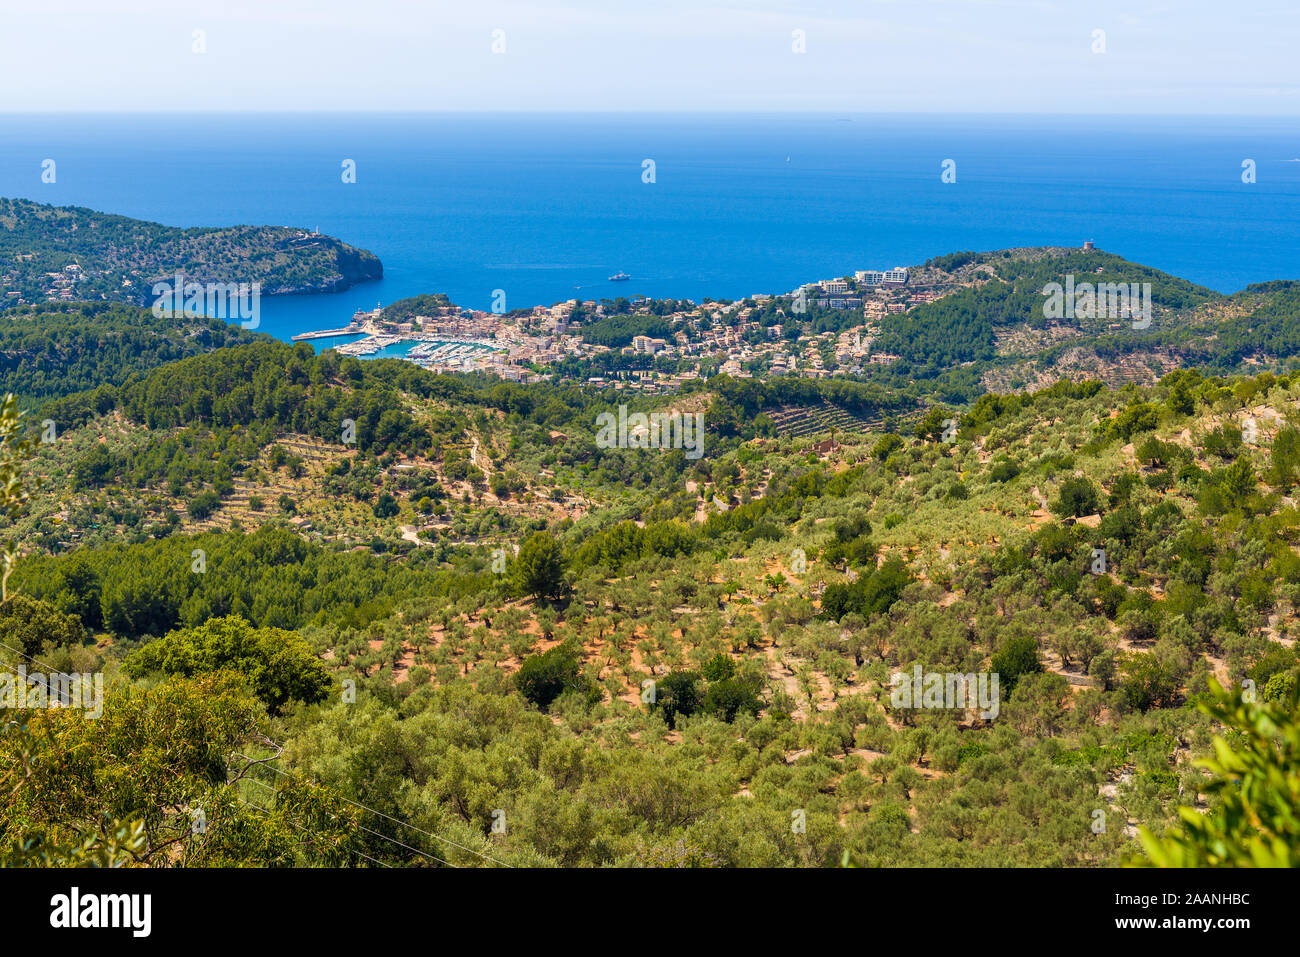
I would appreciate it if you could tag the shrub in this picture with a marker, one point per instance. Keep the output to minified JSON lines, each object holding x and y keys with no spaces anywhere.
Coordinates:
{"x":1017,"y":657}
{"x":727,"y":698}
{"x":279,"y":664}
{"x":203,"y":504}
{"x":1078,"y":497}
{"x":677,"y":693}
{"x":543,"y":678}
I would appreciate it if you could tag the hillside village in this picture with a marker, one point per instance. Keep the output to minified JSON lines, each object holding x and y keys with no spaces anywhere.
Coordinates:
{"x":852,"y":326}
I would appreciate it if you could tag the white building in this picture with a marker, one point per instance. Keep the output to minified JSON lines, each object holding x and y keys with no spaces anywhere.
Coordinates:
{"x":876,"y":277}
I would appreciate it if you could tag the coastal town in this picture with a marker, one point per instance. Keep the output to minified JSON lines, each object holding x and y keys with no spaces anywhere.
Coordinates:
{"x":755,"y":336}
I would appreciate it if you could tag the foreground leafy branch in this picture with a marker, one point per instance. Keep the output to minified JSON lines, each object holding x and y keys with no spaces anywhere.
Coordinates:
{"x":1256,"y":774}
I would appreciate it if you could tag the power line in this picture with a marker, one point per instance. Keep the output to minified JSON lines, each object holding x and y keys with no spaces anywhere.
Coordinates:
{"x":52,"y":692}
{"x":285,"y":818}
{"x":378,"y":834}
{"x":436,"y":837}
{"x":43,"y":664}
{"x":302,"y":828}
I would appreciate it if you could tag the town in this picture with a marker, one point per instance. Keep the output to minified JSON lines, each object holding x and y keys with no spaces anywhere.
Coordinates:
{"x":756,"y":336}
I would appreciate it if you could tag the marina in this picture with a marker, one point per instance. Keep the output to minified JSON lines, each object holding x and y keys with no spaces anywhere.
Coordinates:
{"x":369,"y":337}
{"x":428,"y":351}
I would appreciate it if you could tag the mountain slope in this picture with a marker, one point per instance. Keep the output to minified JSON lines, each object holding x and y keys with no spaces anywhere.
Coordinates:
{"x":71,"y":253}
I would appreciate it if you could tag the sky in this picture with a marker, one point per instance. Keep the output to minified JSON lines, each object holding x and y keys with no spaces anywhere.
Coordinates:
{"x":941,"y":56}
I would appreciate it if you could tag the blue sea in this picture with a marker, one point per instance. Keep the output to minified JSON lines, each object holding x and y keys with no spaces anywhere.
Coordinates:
{"x":546,"y":206}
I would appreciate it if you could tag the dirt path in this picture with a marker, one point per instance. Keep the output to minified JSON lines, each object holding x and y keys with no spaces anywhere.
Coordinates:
{"x":477,"y":461}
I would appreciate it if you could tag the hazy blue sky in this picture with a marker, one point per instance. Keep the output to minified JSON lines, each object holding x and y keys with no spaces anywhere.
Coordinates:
{"x":870,"y":55}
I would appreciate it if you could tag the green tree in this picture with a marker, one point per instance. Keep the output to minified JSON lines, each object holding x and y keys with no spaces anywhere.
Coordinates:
{"x":14,"y":451}
{"x":203,"y":504}
{"x":718,"y":668}
{"x":539,"y":568}
{"x":729,"y":697}
{"x":1017,"y":657}
{"x":1284,"y":458}
{"x":543,"y":678}
{"x":279,"y":665}
{"x":386,"y":506}
{"x":131,"y":785}
{"x":677,"y":693}
{"x":887,"y":445}
{"x":1147,"y":683}
{"x":1078,"y":497}
{"x":1255,"y":776}
{"x":935,"y":425}
{"x":26,"y":624}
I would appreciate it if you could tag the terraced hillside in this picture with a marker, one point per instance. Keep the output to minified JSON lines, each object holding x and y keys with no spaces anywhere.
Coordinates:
{"x":803,"y":421}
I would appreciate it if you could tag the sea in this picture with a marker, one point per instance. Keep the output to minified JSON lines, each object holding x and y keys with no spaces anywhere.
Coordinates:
{"x":528,"y":209}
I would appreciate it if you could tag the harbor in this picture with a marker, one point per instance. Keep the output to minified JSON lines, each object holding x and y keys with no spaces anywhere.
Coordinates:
{"x":437,"y":348}
{"x":425,"y":350}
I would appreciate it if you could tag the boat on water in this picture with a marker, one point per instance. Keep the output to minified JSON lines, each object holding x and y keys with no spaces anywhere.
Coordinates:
{"x":619,"y":277}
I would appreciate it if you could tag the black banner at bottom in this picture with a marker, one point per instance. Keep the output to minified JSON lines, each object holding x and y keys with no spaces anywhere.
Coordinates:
{"x":335,"y":907}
